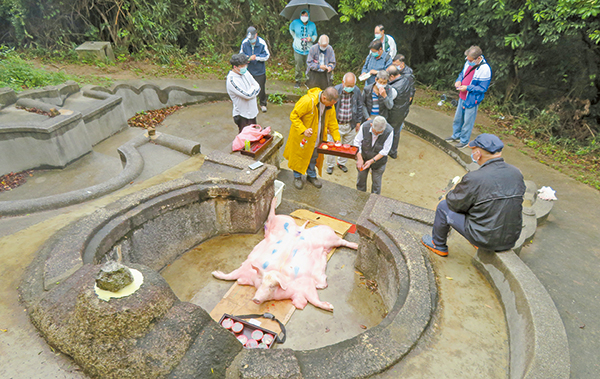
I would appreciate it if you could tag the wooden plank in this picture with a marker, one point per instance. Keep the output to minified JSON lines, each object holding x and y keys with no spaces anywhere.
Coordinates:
{"x":238,"y":300}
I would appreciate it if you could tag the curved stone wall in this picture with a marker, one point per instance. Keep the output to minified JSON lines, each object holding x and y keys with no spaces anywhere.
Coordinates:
{"x":154,"y":227}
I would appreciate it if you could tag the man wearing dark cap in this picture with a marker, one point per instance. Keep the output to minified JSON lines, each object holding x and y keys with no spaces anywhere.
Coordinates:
{"x":242,"y":89}
{"x":255,"y":48}
{"x":485,"y":206}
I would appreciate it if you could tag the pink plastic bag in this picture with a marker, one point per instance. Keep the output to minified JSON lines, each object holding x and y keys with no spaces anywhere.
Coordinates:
{"x":251,"y":133}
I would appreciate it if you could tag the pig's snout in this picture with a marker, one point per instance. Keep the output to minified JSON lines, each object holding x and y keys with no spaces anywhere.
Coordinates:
{"x":257,"y":301}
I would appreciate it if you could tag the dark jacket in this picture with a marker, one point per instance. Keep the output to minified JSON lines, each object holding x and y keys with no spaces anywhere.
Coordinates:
{"x":408,"y":73}
{"x":367,"y":151}
{"x":492,"y":199}
{"x":357,"y":104}
{"x":399,"y":111}
{"x":384,"y":104}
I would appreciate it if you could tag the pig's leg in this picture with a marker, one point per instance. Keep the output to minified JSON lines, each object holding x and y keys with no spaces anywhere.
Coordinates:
{"x":313,"y":297}
{"x":243,"y":272}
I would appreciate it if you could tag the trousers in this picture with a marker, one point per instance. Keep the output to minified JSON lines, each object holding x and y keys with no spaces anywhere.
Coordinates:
{"x":464,"y":120}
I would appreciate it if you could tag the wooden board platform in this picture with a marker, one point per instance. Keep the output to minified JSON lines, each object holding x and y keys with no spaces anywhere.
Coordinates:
{"x":238,"y":300}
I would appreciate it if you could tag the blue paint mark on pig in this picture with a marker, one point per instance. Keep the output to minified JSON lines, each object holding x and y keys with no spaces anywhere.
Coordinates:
{"x":265,"y":265}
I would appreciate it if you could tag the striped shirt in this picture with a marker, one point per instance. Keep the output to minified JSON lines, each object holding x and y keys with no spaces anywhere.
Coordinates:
{"x":375,"y":108}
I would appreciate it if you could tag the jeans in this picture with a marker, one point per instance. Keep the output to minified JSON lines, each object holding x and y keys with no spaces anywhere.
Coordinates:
{"x":376,"y":175}
{"x":464,"y":119}
{"x":300,"y":66}
{"x":311,"y":172}
{"x":347,"y":134}
{"x":444,"y":219}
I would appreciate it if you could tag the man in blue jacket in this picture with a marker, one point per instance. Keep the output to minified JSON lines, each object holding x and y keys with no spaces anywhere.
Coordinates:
{"x":376,"y":61}
{"x":304,"y":33}
{"x":255,"y":48}
{"x":472,"y":84}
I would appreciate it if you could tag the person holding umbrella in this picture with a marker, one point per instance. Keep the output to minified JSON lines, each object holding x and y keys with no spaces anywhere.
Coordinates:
{"x":304,"y":33}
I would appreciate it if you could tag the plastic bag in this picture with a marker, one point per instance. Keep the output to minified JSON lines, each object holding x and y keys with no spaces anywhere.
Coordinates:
{"x":251,"y":133}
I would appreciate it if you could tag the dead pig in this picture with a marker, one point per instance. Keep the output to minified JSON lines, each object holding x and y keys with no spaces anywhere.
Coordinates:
{"x":289,"y":263}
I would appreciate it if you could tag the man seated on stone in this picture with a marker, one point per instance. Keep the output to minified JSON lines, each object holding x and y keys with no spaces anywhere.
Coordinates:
{"x":374,"y":140}
{"x":485,"y":206}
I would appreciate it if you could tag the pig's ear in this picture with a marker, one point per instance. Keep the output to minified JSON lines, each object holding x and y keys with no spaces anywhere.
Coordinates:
{"x":258,"y":269}
{"x":282,"y":283}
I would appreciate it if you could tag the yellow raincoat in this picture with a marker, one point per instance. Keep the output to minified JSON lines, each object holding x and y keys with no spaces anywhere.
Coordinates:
{"x":306,"y":115}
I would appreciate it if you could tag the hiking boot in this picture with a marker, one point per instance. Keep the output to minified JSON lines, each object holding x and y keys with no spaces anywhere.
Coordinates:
{"x":314,"y":181}
{"x":461,"y":145}
{"x":263,"y":108}
{"x":342,"y":167}
{"x":298,"y":183}
{"x":329,"y":170}
{"x":427,"y":241}
{"x":451,"y":139}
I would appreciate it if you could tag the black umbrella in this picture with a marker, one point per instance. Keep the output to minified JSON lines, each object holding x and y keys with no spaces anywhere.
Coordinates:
{"x":319,"y":10}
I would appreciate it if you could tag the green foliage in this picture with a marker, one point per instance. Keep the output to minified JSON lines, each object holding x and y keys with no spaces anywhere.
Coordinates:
{"x":277,"y":98}
{"x":19,"y":75}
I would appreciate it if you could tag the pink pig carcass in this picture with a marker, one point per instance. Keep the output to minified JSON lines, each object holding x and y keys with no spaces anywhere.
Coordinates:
{"x":289,"y":263}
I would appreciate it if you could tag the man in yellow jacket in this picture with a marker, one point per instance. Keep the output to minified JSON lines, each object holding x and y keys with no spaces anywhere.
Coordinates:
{"x":312,"y":119}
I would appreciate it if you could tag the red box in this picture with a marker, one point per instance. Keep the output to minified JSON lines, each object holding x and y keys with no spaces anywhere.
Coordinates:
{"x":337,"y":151}
{"x":249,"y":328}
{"x":256,"y":147}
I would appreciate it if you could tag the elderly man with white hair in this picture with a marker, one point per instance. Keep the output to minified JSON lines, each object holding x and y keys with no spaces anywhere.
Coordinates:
{"x":374,"y":140}
{"x":320,"y":63}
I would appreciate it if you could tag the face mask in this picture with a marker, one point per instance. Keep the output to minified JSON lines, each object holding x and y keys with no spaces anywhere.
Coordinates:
{"x":304,"y":19}
{"x":243,"y":70}
{"x":380,"y":86}
{"x":253,"y":40}
{"x":323,"y":49}
{"x":473,"y":159}
{"x":472,"y":63}
{"x":377,"y":36}
{"x":375,"y":54}
{"x":348,"y":89}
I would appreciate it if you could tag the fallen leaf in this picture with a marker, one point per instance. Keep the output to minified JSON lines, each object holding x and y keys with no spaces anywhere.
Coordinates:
{"x":4,"y":330}
{"x":488,"y":306}
{"x":411,"y":174}
{"x":326,"y":330}
{"x":363,"y":326}
{"x":358,"y":272}
{"x":449,"y":278}
{"x":343,"y":266}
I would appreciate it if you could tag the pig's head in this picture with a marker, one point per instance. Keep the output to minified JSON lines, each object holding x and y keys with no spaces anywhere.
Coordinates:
{"x":271,"y":281}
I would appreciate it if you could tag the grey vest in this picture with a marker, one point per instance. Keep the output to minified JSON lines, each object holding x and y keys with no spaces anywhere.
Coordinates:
{"x":368,"y":151}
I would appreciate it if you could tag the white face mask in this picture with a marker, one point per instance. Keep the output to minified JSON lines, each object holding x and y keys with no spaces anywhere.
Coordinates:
{"x":380,"y":86}
{"x":304,"y":19}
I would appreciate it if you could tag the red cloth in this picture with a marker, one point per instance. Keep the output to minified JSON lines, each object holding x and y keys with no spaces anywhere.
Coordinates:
{"x":466,"y":81}
{"x":251,"y":133}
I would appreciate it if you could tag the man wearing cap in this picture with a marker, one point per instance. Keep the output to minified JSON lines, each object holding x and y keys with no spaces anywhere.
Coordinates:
{"x":304,"y":33}
{"x":320,"y":62}
{"x":255,"y":48}
{"x":242,"y":89}
{"x":472,"y":84}
{"x":485,"y":206}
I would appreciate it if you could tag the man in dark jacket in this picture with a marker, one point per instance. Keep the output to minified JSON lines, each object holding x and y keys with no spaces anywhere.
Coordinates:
{"x":378,"y":98}
{"x":255,"y":48}
{"x":485,"y":206}
{"x":374,"y":140}
{"x":349,"y":116}
{"x":404,"y":89}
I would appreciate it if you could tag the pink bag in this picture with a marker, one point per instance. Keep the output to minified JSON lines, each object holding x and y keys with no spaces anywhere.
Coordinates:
{"x":251,"y":133}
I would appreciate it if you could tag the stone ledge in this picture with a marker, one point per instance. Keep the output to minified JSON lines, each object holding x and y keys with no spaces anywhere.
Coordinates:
{"x":538,"y":341}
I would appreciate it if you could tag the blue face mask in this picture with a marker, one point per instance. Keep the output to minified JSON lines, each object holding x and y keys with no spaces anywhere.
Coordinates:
{"x":253,"y":40}
{"x":377,"y":36}
{"x":472,"y":63}
{"x":473,"y":159}
{"x":375,"y":54}
{"x":348,"y":89}
{"x":243,"y":70}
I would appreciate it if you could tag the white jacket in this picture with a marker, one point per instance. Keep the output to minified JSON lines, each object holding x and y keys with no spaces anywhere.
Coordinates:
{"x":242,"y":90}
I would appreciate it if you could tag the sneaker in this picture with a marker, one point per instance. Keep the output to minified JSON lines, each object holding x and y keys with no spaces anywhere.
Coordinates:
{"x":451,"y":139}
{"x":461,"y":145}
{"x":329,"y":170}
{"x":342,"y":167}
{"x":314,"y":181}
{"x":297,"y":85}
{"x":298,"y":183}
{"x":263,"y":108}
{"x":427,"y":241}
